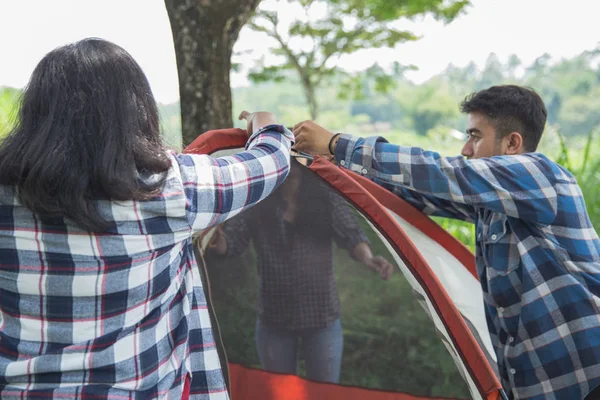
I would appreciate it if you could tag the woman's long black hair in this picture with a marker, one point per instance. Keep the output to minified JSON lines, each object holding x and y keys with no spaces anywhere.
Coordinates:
{"x":88,"y":128}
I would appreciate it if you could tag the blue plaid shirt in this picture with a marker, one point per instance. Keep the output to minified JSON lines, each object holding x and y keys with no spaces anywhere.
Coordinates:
{"x":122,"y":314}
{"x":538,"y":255}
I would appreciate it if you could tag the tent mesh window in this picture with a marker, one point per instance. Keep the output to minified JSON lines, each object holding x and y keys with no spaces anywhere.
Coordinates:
{"x":292,"y":296}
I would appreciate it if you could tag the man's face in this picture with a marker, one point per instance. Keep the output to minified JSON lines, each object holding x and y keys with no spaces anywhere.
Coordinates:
{"x":481,"y":140}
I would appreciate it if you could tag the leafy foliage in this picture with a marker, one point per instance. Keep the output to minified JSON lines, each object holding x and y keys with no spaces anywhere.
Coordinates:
{"x":8,"y":109}
{"x":587,"y":172}
{"x":428,"y":106}
{"x":342,"y":27}
{"x":385,"y":10}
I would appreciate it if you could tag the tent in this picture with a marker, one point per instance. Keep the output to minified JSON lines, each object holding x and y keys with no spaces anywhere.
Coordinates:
{"x":419,"y":335}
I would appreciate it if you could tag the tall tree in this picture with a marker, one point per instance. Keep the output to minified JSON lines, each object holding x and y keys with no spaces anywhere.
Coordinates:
{"x":492,"y":74}
{"x":204,"y":32}
{"x":512,"y":66}
{"x":428,"y":105}
{"x":313,"y":42}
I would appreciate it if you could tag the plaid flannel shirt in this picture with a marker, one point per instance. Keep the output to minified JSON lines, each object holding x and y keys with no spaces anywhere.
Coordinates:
{"x":537,"y":256}
{"x":297,"y":287}
{"x":122,"y":314}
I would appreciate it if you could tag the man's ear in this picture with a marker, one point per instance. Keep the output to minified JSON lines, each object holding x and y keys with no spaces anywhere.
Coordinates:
{"x":514,"y":143}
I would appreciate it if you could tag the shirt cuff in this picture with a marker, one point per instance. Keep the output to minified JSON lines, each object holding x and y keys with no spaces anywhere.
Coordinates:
{"x":281,"y":129}
{"x":355,"y":153}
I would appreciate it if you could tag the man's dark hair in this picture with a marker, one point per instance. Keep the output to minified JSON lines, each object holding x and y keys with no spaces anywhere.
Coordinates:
{"x":510,"y":108}
{"x":87,"y":130}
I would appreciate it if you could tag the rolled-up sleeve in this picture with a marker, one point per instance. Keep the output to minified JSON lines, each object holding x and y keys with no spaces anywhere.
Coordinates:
{"x":217,"y":189}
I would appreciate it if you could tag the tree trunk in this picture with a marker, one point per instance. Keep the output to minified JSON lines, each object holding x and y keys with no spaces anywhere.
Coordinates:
{"x":204,"y":32}
{"x":309,"y":93}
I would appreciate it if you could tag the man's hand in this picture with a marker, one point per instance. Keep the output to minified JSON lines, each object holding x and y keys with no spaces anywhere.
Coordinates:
{"x":312,"y":138}
{"x":257,"y":120}
{"x":381,"y":265}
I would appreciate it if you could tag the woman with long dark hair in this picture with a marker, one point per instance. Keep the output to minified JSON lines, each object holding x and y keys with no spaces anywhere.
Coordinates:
{"x":99,"y":292}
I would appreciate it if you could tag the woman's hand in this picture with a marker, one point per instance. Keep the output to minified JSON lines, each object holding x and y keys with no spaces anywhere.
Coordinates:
{"x":362,"y":253}
{"x":257,"y":120}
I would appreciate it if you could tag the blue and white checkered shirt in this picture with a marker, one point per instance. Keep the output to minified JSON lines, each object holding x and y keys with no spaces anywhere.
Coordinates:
{"x":538,"y":255}
{"x":122,"y":314}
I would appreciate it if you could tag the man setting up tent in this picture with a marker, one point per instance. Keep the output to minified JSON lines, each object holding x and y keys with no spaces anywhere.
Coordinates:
{"x":537,"y":253}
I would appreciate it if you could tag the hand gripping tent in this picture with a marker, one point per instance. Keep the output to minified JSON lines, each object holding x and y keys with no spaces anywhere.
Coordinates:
{"x":301,"y":308}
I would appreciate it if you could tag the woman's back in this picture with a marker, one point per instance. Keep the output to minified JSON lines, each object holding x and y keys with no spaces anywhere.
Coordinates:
{"x":118,"y":311}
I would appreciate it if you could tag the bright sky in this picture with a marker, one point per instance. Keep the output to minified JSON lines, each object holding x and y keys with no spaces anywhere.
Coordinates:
{"x":528,"y":28}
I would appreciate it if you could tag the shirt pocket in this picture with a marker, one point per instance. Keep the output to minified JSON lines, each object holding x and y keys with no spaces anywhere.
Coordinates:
{"x":498,"y":249}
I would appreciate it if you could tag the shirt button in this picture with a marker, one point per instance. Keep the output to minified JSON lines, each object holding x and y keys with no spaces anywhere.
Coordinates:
{"x":364,"y":171}
{"x":494,"y":236}
{"x":511,"y":339}
{"x":342,"y":163}
{"x":512,"y":371}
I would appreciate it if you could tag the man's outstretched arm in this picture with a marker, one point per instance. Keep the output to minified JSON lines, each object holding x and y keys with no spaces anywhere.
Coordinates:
{"x":431,"y":205}
{"x":520,"y":186}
